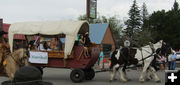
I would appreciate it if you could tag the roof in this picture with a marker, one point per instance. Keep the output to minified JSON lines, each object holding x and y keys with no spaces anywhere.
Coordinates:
{"x":69,"y":28}
{"x":97,"y":32}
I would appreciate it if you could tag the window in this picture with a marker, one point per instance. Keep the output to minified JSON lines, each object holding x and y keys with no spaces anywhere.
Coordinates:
{"x":107,"y":49}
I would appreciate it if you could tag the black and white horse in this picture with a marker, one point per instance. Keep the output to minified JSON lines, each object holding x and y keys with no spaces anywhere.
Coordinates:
{"x":120,"y":59}
{"x":145,"y":56}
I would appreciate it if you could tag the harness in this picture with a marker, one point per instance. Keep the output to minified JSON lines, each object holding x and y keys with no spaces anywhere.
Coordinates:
{"x":143,"y":58}
{"x":17,"y":62}
{"x":151,"y":54}
{"x":4,"y":62}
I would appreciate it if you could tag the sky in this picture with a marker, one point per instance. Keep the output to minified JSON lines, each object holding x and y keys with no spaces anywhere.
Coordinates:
{"x":52,"y":10}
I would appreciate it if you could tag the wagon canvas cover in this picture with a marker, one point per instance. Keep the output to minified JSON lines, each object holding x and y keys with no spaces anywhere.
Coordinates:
{"x":69,"y":28}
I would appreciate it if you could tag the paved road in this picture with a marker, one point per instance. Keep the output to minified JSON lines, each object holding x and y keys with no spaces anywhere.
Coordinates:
{"x":61,"y":77}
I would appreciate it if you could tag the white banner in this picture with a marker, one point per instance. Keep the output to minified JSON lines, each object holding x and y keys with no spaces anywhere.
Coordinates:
{"x":38,"y":57}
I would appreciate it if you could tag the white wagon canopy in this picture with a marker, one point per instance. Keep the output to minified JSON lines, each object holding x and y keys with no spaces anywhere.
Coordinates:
{"x":69,"y":28}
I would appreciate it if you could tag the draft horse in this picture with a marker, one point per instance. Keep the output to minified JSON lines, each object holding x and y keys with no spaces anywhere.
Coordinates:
{"x":144,"y":55}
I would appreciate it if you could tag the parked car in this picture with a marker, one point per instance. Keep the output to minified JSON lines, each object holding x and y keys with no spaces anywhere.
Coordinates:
{"x":178,"y":56}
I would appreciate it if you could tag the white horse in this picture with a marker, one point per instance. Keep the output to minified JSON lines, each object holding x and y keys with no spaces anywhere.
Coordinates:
{"x":145,"y":54}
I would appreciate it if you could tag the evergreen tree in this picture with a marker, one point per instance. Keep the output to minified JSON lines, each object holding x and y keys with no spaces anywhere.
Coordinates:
{"x":176,"y":6}
{"x":145,"y":16}
{"x":165,"y":26}
{"x":134,"y":22}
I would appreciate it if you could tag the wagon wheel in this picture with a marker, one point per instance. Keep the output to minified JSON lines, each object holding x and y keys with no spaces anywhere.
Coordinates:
{"x":40,"y":69}
{"x":77,"y":75}
{"x":89,"y":74}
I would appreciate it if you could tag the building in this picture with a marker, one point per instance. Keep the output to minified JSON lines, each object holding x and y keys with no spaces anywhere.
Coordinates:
{"x":101,"y":34}
{"x":19,"y":40}
{"x":5,"y":27}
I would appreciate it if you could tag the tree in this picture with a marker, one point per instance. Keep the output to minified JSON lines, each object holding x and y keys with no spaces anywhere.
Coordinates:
{"x":82,"y":17}
{"x":144,"y":36}
{"x":176,"y":6}
{"x":166,"y":26}
{"x":145,"y":16}
{"x":133,"y":24}
{"x":134,"y":21}
{"x":116,"y":28}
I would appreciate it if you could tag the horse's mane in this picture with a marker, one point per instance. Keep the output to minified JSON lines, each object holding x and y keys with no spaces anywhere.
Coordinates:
{"x":156,"y":45}
{"x":146,"y":46}
{"x":17,"y":52}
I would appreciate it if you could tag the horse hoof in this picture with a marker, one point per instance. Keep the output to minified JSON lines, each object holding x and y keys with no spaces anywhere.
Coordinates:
{"x":115,"y":79}
{"x":159,"y":81}
{"x":141,"y":81}
{"x":123,"y":81}
{"x":129,"y":79}
{"x":148,"y":79}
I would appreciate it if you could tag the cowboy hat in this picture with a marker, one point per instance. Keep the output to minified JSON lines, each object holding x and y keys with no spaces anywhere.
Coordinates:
{"x":2,"y":32}
{"x":27,"y":75}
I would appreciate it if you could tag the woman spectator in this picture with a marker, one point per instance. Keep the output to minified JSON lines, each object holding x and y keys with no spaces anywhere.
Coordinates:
{"x":101,"y":59}
{"x":161,"y":60}
{"x":172,"y":60}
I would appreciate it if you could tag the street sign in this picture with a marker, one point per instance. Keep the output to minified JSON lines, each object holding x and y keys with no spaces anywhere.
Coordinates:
{"x":92,"y":9}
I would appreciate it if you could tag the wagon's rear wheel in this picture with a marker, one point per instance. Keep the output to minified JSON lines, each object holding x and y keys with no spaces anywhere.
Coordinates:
{"x":77,"y":75}
{"x":89,"y":74}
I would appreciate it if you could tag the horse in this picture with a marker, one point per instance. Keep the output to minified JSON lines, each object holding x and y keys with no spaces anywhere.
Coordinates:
{"x":145,"y":56}
{"x":14,"y":61}
{"x":120,"y":58}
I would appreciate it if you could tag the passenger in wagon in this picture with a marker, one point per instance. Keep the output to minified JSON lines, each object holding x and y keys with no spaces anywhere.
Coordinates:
{"x":87,"y":40}
{"x":46,"y":46}
{"x":82,"y":43}
{"x":41,"y":47}
{"x":30,"y":45}
{"x":54,"y":44}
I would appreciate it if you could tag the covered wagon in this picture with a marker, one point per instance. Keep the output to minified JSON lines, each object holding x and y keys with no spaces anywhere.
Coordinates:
{"x":70,"y":57}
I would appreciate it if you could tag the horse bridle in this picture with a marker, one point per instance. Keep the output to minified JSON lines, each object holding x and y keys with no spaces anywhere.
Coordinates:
{"x":20,"y":63}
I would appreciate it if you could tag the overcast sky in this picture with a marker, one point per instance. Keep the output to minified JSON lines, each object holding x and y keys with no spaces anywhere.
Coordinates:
{"x":44,"y":10}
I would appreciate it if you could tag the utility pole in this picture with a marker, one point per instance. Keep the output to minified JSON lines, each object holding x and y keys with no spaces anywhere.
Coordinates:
{"x":1,"y":24}
{"x":87,"y":9}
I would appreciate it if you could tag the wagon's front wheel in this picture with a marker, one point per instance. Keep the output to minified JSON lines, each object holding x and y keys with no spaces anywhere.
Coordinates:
{"x":77,"y":75}
{"x":40,"y":69}
{"x":89,"y":74}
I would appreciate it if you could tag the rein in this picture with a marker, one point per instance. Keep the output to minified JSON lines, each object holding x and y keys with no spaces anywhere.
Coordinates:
{"x":19,"y":63}
{"x":151,"y":54}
